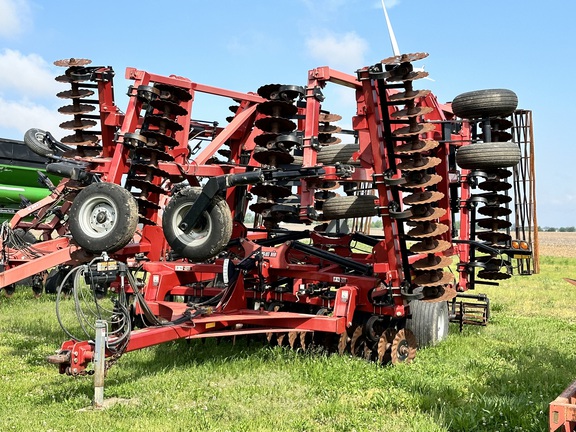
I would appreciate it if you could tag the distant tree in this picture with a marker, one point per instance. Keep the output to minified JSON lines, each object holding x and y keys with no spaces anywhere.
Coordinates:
{"x":562,"y":229}
{"x":571,"y":229}
{"x":377,"y":223}
{"x":549,"y":229}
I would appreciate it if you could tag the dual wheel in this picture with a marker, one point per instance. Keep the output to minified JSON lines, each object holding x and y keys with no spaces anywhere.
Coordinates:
{"x":482,"y":104}
{"x":104,"y":218}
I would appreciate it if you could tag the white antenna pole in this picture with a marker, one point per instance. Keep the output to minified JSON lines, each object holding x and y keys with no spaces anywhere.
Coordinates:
{"x":395,"y":48}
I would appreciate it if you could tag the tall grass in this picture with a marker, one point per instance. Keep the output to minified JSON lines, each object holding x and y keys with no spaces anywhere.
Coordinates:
{"x":495,"y":378}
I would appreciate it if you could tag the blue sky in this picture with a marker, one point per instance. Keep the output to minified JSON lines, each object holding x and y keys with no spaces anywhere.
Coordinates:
{"x":526,"y":46}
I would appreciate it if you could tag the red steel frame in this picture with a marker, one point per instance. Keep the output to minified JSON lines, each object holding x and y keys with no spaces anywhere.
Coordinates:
{"x":180,"y":278}
{"x":563,"y":410}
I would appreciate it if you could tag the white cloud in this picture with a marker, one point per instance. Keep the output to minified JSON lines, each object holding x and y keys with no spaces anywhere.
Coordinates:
{"x":16,"y":117}
{"x":344,"y":52}
{"x":14,"y":17}
{"x":28,"y":75}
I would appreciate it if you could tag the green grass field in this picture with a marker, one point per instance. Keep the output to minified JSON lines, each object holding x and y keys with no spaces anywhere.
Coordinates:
{"x":495,"y":378}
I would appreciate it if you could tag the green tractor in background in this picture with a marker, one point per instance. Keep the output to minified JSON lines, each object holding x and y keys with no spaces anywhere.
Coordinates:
{"x":20,"y":181}
{"x":23,"y":181}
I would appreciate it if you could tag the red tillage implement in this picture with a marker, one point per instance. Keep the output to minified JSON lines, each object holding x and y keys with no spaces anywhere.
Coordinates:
{"x":160,"y":226}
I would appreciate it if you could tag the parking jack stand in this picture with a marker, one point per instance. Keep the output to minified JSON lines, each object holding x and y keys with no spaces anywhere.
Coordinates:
{"x":99,"y":364}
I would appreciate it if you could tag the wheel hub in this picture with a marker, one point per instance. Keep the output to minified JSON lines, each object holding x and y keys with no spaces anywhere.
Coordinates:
{"x":102,"y":218}
{"x":403,"y":350}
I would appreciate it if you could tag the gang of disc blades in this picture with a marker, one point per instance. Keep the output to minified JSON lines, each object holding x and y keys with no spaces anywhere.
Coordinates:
{"x":329,"y":117}
{"x":175,"y":94}
{"x":432,"y":262}
{"x":163,"y":123}
{"x":426,"y":212}
{"x":154,"y":153}
{"x":425,"y":197}
{"x":72,"y":62}
{"x":494,"y":198}
{"x":168,"y":107}
{"x":419,"y":163}
{"x":494,"y":186}
{"x":159,"y":139}
{"x":78,"y":124}
{"x":267,"y":90}
{"x":145,"y":185}
{"x":423,"y":181}
{"x":493,"y":275}
{"x":493,"y":224}
{"x":275,"y":124}
{"x":74,"y":94}
{"x":412,"y":112}
{"x":493,"y":237}
{"x":277,"y":108}
{"x":416,"y":146}
{"x":494,"y":211}
{"x":329,"y":129}
{"x":412,"y":130}
{"x":404,"y":58}
{"x":427,"y":229}
{"x":438,"y":294}
{"x":433,"y":278}
{"x":273,"y":157}
{"x":76,"y":109}
{"x":411,"y":76}
{"x":430,"y":246}
{"x":409,"y":95}
{"x":81,"y":139}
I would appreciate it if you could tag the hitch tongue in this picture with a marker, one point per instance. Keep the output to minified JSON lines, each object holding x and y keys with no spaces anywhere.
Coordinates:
{"x":62,"y":357}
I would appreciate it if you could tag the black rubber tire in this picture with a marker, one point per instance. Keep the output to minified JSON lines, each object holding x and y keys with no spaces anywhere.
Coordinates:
{"x":55,"y":279}
{"x":204,"y":241}
{"x":343,"y":207}
{"x":116,"y":205}
{"x":338,"y":153}
{"x":33,"y":138}
{"x":485,"y":103}
{"x":488,"y":155}
{"x":429,"y":322}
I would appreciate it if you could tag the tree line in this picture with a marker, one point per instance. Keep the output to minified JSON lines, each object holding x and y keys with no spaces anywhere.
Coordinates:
{"x":554,"y":229}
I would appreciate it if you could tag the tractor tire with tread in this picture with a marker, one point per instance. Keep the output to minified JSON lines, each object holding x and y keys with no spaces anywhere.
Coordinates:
{"x":34,"y":140}
{"x":103,"y":217}
{"x":429,"y":322}
{"x":338,"y":153}
{"x":488,"y":155}
{"x":333,"y":154}
{"x":343,"y":207}
{"x":485,"y":103}
{"x":204,"y":241}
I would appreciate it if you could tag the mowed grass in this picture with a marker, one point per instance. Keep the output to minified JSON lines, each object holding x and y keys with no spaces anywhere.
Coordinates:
{"x":495,"y":378}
